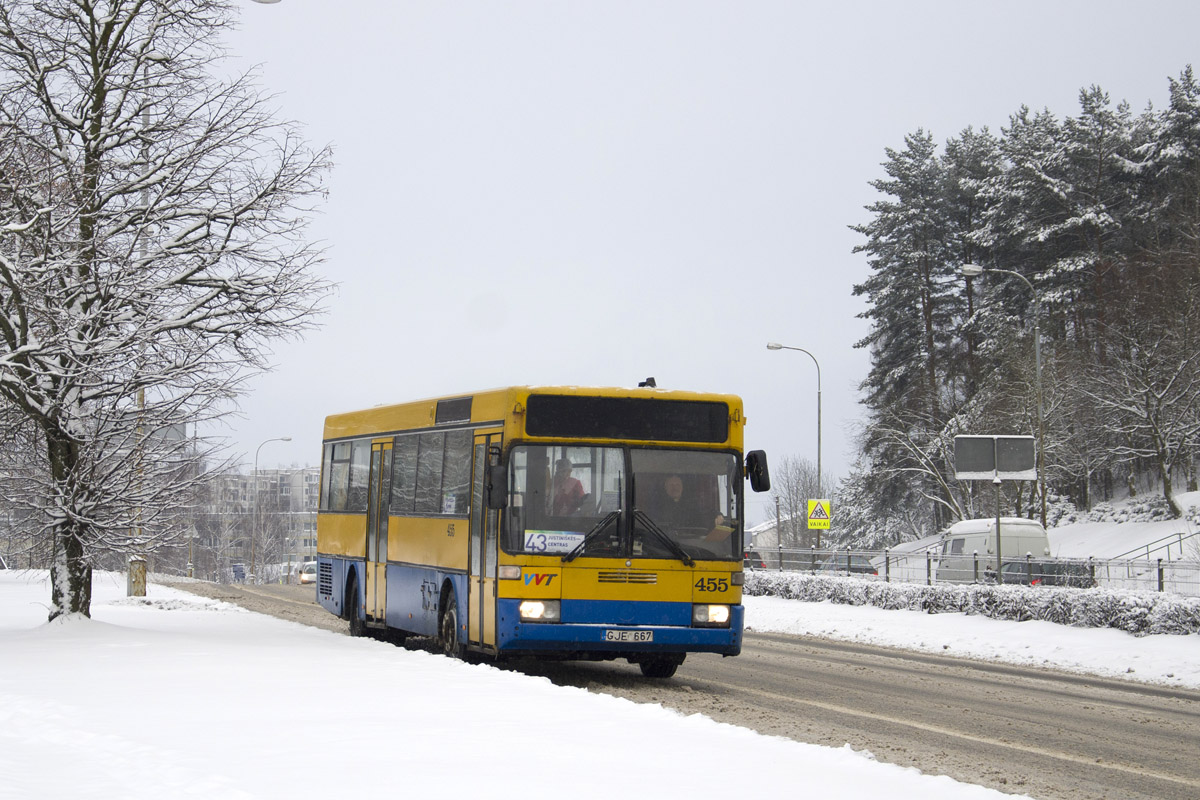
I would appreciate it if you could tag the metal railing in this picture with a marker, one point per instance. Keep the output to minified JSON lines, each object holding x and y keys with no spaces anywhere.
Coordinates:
{"x":1150,"y":549}
{"x":1157,"y":575}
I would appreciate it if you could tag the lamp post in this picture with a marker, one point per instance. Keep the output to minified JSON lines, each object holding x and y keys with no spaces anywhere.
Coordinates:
{"x":255,"y":522}
{"x":974,"y":271}
{"x":777,"y":346}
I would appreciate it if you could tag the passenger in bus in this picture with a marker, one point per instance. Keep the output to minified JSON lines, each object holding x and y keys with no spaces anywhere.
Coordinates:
{"x":568,"y":492}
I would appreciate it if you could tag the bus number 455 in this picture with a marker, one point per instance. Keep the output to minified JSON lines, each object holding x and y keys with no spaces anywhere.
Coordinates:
{"x":713,"y":584}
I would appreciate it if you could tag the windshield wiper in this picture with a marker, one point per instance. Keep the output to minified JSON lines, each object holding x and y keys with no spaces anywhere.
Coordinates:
{"x":661,"y":535}
{"x":591,"y":535}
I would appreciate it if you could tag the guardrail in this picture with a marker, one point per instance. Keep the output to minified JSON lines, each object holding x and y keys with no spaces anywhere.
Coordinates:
{"x":1156,"y":575}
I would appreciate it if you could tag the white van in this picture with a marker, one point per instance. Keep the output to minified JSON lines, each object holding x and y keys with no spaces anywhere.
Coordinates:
{"x":960,"y":544}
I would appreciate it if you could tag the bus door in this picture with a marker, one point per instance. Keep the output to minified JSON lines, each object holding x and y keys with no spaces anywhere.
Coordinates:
{"x":484,"y":525}
{"x":379,"y":492}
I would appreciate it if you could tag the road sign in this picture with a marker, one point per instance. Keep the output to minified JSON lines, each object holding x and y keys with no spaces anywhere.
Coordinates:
{"x":819,"y":512}
{"x":988,"y":458}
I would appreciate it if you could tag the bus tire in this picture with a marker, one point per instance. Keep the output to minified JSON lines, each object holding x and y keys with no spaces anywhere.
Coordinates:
{"x":448,"y":636}
{"x":358,"y":626}
{"x":659,"y":667}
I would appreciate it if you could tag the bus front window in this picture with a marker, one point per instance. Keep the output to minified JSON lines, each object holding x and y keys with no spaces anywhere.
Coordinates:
{"x":639,"y":503}
{"x":558,"y":493}
{"x":691,"y":497}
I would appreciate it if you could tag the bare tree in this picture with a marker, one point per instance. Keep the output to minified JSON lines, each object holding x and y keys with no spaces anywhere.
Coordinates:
{"x":1150,"y":391}
{"x":793,"y":484}
{"x":921,"y":462}
{"x":152,"y":220}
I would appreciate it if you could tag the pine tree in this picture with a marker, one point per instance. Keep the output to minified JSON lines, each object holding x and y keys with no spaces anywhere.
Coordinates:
{"x":972,"y":161}
{"x":913,"y":304}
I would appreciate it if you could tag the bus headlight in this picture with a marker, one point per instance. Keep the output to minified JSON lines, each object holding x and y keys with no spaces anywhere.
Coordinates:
{"x":540,"y":611}
{"x":710,"y":616}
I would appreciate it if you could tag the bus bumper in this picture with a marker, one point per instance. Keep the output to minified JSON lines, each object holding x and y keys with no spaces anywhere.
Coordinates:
{"x":582,"y":632}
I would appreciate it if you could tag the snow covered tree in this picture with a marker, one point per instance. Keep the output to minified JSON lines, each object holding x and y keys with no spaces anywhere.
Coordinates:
{"x":972,"y":162}
{"x":1100,"y":213}
{"x":910,"y":290}
{"x":865,"y":517}
{"x":1079,"y":447}
{"x":915,"y":308}
{"x":152,"y":221}
{"x":1150,"y":383}
{"x":1175,"y":167}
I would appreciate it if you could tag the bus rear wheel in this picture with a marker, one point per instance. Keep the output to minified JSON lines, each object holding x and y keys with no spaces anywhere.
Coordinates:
{"x":448,"y":632}
{"x":660,"y":667}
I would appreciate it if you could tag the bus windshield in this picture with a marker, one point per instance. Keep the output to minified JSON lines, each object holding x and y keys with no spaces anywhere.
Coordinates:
{"x":627,"y":502}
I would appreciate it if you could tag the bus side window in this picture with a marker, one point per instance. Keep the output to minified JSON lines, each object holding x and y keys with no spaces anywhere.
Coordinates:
{"x":429,"y":472}
{"x":456,"y":473}
{"x":339,"y":476}
{"x":326,"y":474}
{"x":404,"y":475}
{"x":360,"y":469}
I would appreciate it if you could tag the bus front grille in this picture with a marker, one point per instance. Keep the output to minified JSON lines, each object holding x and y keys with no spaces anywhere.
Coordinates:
{"x":627,"y":576}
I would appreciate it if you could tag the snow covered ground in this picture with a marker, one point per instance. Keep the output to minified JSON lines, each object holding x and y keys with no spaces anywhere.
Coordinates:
{"x":1166,"y":660}
{"x":174,"y":695}
{"x":1121,"y":530}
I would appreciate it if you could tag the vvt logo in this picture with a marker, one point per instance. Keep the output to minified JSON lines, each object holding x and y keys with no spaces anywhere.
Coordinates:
{"x":539,"y":578}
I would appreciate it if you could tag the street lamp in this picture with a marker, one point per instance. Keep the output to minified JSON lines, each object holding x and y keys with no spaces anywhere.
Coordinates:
{"x":974,"y":271}
{"x":777,"y":346}
{"x":255,"y":526}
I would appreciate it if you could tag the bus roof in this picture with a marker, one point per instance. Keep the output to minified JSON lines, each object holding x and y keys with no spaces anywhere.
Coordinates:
{"x":493,"y":406}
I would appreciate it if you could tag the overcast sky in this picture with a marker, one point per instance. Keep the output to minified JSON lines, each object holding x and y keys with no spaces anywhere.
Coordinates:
{"x":565,"y":192}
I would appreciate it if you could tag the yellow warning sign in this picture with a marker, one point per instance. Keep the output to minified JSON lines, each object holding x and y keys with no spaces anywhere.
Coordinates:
{"x":819,"y":512}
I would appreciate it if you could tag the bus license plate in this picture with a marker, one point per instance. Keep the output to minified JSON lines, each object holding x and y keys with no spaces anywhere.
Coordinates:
{"x":629,"y":636}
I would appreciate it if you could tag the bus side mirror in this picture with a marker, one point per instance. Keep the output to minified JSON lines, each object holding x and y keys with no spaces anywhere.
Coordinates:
{"x":757,"y":472}
{"x":497,"y":487}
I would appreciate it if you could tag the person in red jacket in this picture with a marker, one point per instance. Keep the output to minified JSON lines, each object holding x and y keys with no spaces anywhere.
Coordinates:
{"x":568,"y":492}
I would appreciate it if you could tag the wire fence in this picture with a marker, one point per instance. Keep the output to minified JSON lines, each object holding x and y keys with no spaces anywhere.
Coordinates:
{"x":1178,"y":576}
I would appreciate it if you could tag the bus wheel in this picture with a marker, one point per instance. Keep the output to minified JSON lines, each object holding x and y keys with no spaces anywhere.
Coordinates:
{"x":448,"y":634}
{"x":660,"y":667}
{"x":354,"y":610}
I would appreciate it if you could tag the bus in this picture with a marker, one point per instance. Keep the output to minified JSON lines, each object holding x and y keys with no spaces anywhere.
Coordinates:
{"x":551,"y":522}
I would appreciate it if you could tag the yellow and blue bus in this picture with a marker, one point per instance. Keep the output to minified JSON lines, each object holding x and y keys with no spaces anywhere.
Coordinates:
{"x":554,"y":522}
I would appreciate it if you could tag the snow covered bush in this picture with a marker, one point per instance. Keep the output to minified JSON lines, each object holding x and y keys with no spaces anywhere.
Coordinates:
{"x":1059,"y":511}
{"x":1139,"y":613}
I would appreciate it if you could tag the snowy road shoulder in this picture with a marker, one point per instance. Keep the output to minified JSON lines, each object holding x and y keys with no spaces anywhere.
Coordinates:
{"x":1161,"y":659}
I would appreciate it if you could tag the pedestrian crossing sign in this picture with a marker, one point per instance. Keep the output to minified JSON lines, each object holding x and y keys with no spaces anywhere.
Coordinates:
{"x":819,"y":512}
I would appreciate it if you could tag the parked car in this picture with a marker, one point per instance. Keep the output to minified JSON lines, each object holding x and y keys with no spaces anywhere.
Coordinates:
{"x":1047,"y":573}
{"x":752,"y":560}
{"x":308,"y":572}
{"x":972,"y":542}
{"x":856,"y":565}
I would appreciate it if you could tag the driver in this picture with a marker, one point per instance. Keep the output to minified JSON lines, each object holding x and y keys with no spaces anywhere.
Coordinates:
{"x":675,"y":512}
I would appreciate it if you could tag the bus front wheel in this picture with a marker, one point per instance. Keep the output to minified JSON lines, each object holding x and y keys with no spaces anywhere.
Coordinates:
{"x":448,"y":633}
{"x":660,"y":667}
